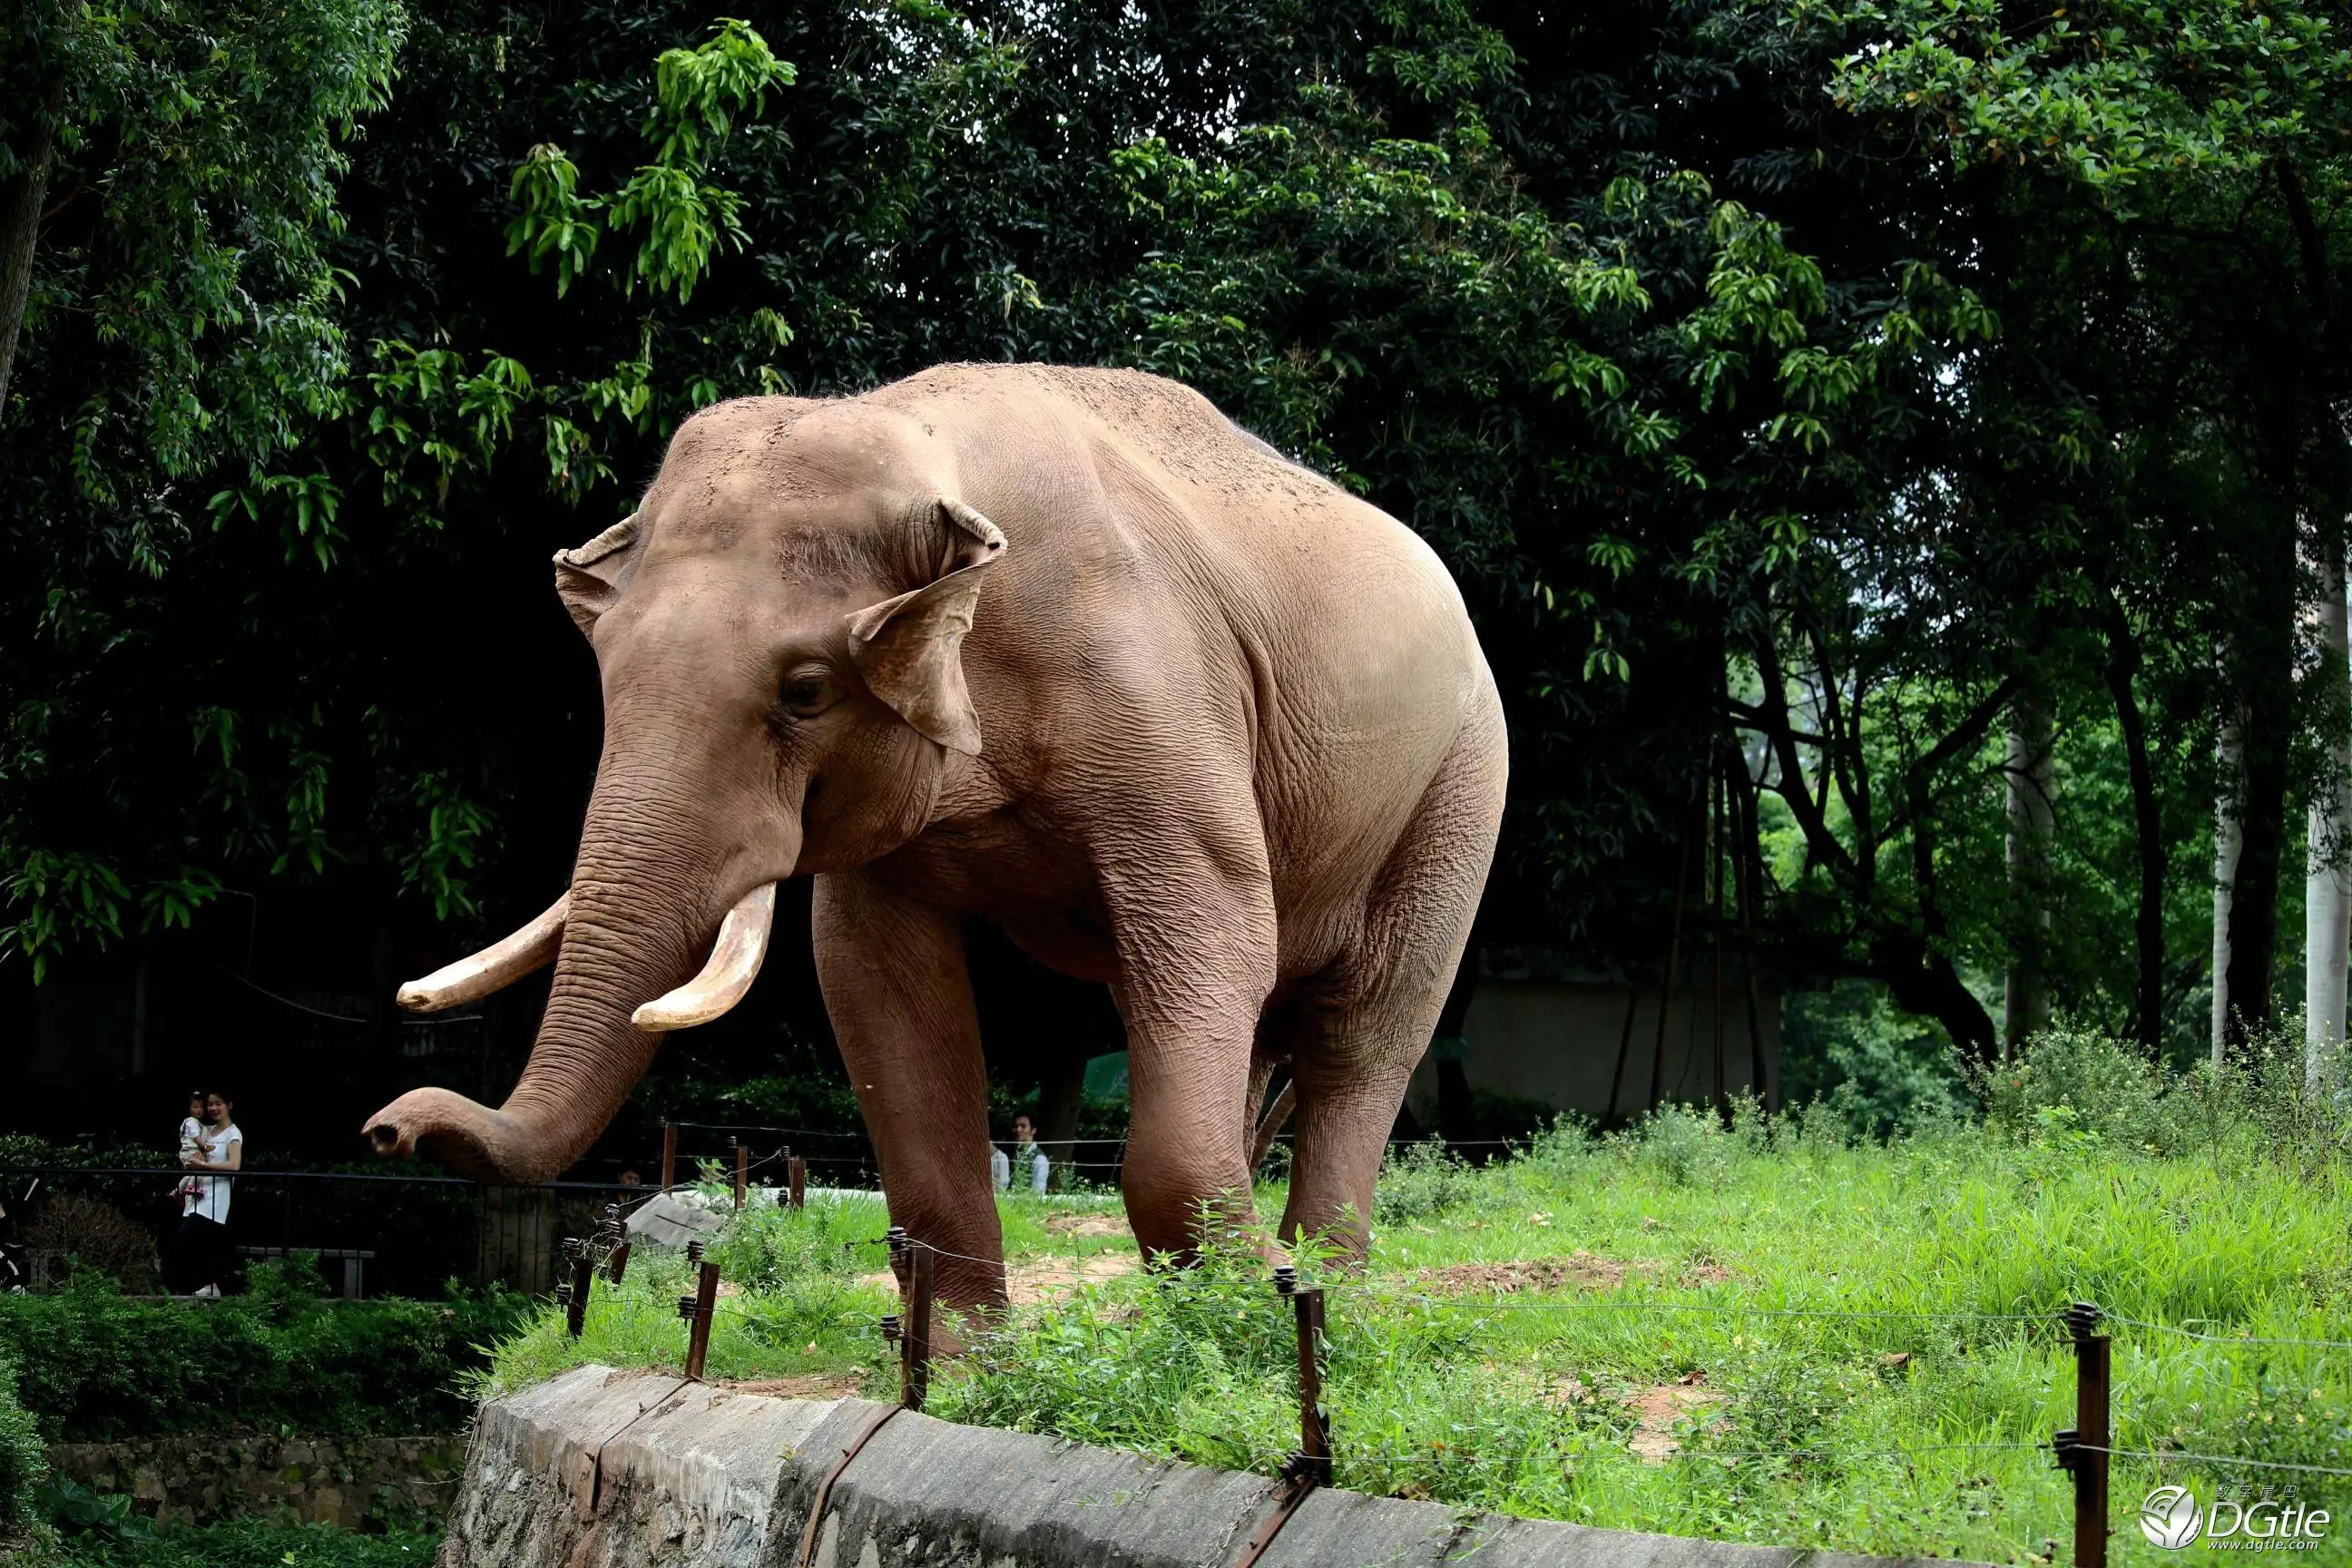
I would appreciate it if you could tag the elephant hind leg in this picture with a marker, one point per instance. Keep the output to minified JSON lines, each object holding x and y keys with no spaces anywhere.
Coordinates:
{"x":1358,"y":1031}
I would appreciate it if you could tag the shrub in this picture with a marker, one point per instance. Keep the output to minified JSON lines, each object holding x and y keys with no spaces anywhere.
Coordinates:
{"x":251,"y":1543}
{"x":1681,"y":1145}
{"x":1419,"y":1181}
{"x":24,"y":1461}
{"x":96,"y":1235}
{"x":93,"y":1367}
{"x":2077,"y":1088}
{"x":1851,"y":1052}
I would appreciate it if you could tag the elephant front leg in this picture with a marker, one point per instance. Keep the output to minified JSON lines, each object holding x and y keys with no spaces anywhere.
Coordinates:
{"x":900,"y":1000}
{"x":1196,"y":963}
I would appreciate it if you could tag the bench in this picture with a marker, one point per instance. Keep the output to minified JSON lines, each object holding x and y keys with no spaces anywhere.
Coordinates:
{"x":354,"y":1260}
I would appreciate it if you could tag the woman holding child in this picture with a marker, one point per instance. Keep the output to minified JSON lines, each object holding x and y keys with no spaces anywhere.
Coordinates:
{"x":200,"y":1252}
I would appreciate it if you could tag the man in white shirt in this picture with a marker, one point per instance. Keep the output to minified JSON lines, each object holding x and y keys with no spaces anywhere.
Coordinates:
{"x":1025,"y":1147}
{"x":201,"y":1251}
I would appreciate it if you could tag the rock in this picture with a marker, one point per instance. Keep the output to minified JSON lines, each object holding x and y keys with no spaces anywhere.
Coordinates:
{"x":667,"y":1219}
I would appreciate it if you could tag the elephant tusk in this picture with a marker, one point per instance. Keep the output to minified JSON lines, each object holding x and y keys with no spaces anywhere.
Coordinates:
{"x":734,"y":964}
{"x":533,"y":947}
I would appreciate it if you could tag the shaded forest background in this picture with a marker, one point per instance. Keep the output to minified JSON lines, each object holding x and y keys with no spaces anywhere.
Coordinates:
{"x":1895,"y":453}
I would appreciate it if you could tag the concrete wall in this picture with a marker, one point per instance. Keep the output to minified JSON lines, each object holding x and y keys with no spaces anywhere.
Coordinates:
{"x":605,"y":1469}
{"x":1555,"y":1042}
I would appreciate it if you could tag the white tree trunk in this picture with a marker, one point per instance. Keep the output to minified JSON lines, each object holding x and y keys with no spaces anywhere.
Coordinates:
{"x":2026,"y":993}
{"x":2227,"y":840}
{"x":2328,"y":884}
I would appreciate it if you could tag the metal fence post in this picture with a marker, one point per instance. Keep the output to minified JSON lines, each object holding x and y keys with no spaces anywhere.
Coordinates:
{"x":669,"y":1154}
{"x":1312,"y":1463}
{"x":581,"y":1255}
{"x":796,"y":1174}
{"x":743,"y":1170}
{"x":698,"y":1309}
{"x":919,"y":1326}
{"x":2083,"y":1448}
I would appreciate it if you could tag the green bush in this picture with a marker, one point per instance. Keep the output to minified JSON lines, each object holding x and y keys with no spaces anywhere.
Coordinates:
{"x":24,"y":1461}
{"x":248,"y":1543}
{"x":1850,"y":1051}
{"x":1420,"y":1182}
{"x":1680,"y":1146}
{"x":93,"y":1365}
{"x":2073,"y":1088}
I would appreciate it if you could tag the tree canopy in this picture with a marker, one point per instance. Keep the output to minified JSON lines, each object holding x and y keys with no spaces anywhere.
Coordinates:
{"x":1800,"y":389}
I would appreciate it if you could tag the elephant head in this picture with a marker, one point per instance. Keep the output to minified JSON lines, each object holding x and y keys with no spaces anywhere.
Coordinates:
{"x":779,"y":632}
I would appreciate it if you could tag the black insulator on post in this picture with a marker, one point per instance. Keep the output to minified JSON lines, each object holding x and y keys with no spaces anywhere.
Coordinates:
{"x":694,"y":1254}
{"x":1285,"y":1279}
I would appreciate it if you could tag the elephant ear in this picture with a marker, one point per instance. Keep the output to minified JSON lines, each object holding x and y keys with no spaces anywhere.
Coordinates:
{"x":588,"y":576}
{"x":909,"y":648}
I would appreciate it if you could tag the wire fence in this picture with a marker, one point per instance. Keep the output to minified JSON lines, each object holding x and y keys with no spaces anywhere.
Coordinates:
{"x":2085,"y":1450}
{"x":415,"y":1231}
{"x":379,"y":1233}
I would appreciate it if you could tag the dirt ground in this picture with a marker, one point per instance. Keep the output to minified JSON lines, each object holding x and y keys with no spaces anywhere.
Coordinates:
{"x":1579,"y":1271}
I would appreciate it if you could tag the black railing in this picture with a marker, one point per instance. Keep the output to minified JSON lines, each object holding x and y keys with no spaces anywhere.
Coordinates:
{"x":420,"y":1230}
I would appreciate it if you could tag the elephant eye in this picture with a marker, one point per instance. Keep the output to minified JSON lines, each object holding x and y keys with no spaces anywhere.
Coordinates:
{"x":806,"y":692}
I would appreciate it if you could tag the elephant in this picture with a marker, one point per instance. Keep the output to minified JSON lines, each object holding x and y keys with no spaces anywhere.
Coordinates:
{"x":1061,"y":648}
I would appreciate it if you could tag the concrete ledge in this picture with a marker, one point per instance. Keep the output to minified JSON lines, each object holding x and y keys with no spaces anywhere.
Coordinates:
{"x":600,"y":1468}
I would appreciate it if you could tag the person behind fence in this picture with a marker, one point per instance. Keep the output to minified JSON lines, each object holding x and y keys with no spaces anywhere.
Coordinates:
{"x":1025,"y":1147}
{"x":200,"y":1252}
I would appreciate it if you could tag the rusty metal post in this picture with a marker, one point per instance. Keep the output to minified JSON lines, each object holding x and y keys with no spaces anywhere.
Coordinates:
{"x":698,"y":1310}
{"x":2083,"y":1448}
{"x":669,"y":1154}
{"x":612,"y":1236}
{"x":917,"y":1385}
{"x":1312,"y":1463}
{"x":575,"y":1296}
{"x":743,"y":1169}
{"x":796,"y":1174}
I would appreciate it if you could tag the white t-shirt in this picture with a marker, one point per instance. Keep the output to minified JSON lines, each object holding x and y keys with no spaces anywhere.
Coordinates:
{"x":211,"y":1197}
{"x":1041,"y":1169}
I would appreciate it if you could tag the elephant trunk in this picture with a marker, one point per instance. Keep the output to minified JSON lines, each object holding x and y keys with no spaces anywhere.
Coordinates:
{"x":643,"y":908}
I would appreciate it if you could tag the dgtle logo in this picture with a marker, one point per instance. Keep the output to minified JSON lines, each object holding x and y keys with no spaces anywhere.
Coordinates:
{"x":2169,"y":1517}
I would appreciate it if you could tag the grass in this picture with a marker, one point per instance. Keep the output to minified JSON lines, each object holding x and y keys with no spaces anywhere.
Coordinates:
{"x":1718,"y":1308}
{"x":806,"y":1300}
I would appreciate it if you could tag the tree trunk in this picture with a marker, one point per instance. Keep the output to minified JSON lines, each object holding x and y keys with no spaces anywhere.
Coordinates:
{"x":21,"y":199}
{"x":1061,"y":1096}
{"x":2123,"y":667}
{"x":1450,"y":1050}
{"x":1924,"y":980}
{"x":2327,"y":886}
{"x":2264,"y":681}
{"x":2026,"y":999}
{"x":2227,"y":845}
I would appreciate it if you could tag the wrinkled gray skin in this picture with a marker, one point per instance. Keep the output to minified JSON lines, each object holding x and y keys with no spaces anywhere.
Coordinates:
{"x":1220,"y":736}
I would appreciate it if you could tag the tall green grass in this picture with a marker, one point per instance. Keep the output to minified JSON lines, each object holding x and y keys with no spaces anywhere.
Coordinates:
{"x":1755,"y":1258}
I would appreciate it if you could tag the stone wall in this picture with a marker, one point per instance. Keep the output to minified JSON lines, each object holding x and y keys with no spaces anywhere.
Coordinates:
{"x":196,"y":1477}
{"x":599,"y":1468}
